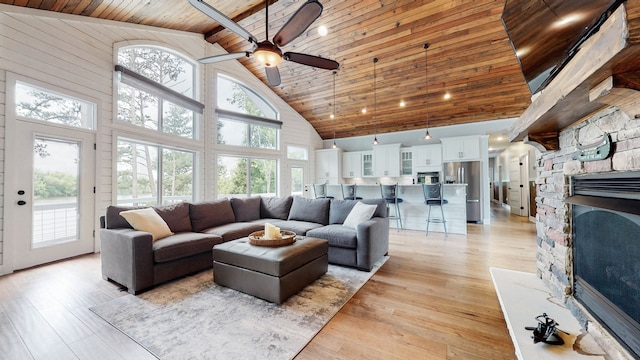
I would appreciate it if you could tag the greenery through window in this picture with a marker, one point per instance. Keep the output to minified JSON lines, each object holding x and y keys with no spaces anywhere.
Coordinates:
{"x":152,"y":110}
{"x":245,"y":176}
{"x":244,"y":117}
{"x":138,"y":166}
{"x":297,"y":152}
{"x":45,"y":105}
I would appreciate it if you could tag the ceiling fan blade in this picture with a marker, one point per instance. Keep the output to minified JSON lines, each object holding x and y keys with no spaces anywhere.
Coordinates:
{"x":315,"y":61}
{"x":298,"y":22}
{"x":223,"y":57}
{"x":273,"y":75}
{"x":223,"y":20}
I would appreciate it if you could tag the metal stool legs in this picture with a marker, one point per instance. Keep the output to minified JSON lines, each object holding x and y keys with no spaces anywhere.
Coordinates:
{"x":441,"y":220}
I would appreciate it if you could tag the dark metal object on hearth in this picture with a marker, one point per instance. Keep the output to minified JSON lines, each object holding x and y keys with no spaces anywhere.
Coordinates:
{"x":546,"y":331}
{"x":597,"y":151}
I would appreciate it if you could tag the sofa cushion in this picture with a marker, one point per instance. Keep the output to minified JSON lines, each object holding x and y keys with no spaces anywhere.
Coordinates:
{"x":298,"y":227}
{"x":381,"y":211}
{"x":361,"y":212}
{"x":176,"y":216}
{"x":205,"y":215}
{"x":246,"y":209}
{"x":337,"y":235}
{"x":147,"y":219}
{"x":113,"y":220}
{"x":183,"y":245}
{"x":310,"y":210}
{"x":235,"y":230}
{"x":339,"y":209}
{"x":275,"y":208}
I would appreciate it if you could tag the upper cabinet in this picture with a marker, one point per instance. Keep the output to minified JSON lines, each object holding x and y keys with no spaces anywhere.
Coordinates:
{"x":406,"y":162}
{"x":367,"y":164}
{"x":352,"y":164}
{"x":386,"y":160}
{"x":328,"y":166}
{"x":427,"y":157}
{"x":461,"y":148}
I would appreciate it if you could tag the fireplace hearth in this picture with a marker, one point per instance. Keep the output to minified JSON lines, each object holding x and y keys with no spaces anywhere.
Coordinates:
{"x":605,"y":227}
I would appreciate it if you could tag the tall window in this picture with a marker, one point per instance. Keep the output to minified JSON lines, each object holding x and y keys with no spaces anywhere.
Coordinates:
{"x":246,"y":176}
{"x":156,"y":91}
{"x":149,"y":174}
{"x":244,"y":117}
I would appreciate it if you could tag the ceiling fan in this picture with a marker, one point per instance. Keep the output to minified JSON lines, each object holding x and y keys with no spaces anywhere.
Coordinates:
{"x":266,"y":52}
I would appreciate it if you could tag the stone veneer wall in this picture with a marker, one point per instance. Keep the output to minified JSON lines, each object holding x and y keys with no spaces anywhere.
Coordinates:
{"x":554,"y":257}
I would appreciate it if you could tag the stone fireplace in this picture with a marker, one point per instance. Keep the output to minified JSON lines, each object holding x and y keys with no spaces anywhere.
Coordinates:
{"x":589,"y":253}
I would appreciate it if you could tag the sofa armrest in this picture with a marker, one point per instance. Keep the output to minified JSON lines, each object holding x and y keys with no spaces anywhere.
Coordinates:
{"x":127,"y":258}
{"x":372,"y":241}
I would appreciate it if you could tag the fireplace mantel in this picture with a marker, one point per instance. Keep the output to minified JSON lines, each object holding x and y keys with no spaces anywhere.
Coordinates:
{"x":604,"y":72}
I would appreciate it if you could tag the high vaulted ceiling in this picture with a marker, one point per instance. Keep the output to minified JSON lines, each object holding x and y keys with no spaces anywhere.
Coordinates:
{"x":470,"y":57}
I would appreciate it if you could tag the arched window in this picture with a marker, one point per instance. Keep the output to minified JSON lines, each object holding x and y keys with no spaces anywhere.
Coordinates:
{"x":245,"y":118}
{"x":156,"y":91}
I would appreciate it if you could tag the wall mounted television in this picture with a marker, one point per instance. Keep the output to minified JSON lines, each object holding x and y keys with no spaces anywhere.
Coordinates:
{"x":546,"y":34}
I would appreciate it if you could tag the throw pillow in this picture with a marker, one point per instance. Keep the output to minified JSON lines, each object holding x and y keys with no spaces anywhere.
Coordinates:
{"x":176,"y":216}
{"x":339,"y":210}
{"x":147,"y":220}
{"x":310,"y":210}
{"x":210,"y":214}
{"x":361,"y":212}
{"x":275,"y":208}
{"x":114,"y":220}
{"x":246,"y":209}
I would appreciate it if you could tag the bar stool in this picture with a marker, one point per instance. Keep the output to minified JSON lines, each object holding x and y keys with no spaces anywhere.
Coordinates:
{"x":390,"y":194}
{"x":320,"y":191}
{"x":433,"y":197}
{"x":349,"y":192}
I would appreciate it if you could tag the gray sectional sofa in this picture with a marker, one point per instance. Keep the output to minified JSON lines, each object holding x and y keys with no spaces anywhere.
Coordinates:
{"x":134,"y":260}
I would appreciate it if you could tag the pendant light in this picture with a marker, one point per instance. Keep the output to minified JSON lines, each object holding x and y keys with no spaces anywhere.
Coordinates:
{"x":427,"y":136}
{"x":333,"y":115}
{"x":375,"y":103}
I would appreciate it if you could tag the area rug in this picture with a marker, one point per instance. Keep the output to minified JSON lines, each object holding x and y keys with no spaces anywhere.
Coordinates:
{"x":194,"y":318}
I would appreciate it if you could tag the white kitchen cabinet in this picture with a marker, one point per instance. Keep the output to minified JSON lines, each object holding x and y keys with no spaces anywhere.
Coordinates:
{"x":352,"y":164}
{"x":367,"y":164}
{"x":386,"y":160}
{"x":328,"y":166}
{"x":461,"y":148}
{"x":406,"y":162}
{"x":427,"y":157}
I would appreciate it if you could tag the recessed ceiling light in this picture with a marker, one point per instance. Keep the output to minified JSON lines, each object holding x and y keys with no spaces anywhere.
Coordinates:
{"x":322,"y":30}
{"x":447,"y":96}
{"x":499,"y":138}
{"x":332,"y":116}
{"x":402,"y":103}
{"x":364,"y":110}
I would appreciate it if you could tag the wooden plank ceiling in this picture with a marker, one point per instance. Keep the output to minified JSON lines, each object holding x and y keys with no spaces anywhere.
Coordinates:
{"x":469,"y":57}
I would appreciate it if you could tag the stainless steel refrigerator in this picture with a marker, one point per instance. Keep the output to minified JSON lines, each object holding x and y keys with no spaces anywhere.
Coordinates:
{"x":467,"y":172}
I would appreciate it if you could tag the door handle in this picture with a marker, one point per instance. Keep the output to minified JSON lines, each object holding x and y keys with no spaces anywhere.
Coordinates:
{"x":21,"y":202}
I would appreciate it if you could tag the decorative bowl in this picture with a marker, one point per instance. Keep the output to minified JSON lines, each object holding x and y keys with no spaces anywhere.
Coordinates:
{"x":257,"y":238}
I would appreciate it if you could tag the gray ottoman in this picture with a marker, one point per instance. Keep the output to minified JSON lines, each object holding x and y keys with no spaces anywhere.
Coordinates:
{"x":270,"y":273}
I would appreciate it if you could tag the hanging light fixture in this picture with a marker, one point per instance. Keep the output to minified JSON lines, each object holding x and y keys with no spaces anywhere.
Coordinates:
{"x":333,"y":115}
{"x":375,"y":103}
{"x":427,"y":136}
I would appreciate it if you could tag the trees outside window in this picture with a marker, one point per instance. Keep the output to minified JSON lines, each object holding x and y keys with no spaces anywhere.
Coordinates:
{"x":137,"y":174}
{"x":153,"y":109}
{"x":246,"y":176}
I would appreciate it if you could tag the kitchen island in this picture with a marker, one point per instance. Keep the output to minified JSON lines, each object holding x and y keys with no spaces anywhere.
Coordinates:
{"x":413,"y":209}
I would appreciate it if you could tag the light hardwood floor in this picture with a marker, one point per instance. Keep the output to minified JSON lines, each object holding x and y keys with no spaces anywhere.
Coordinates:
{"x":433,"y":299}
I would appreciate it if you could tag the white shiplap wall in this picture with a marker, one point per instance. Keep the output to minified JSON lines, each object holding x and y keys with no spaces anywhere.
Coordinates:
{"x":77,"y":54}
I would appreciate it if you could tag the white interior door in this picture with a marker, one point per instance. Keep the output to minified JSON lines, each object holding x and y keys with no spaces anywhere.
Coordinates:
{"x":49,"y":193}
{"x":516,"y":188}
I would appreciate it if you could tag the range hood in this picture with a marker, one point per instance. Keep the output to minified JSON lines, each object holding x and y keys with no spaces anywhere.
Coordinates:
{"x":604,"y":72}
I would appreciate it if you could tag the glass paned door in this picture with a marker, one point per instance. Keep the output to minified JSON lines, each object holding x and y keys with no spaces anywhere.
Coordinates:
{"x":56,"y":181}
{"x":49,"y":198}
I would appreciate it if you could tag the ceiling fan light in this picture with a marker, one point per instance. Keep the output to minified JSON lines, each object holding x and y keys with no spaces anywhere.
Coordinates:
{"x":267,"y":54}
